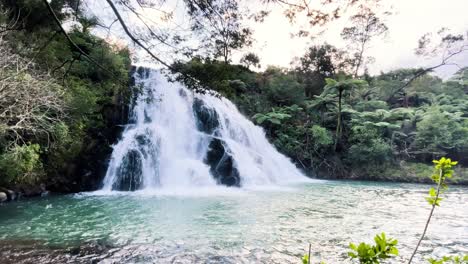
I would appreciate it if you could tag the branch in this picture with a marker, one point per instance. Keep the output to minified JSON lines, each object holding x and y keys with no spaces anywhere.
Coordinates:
{"x":72,"y":43}
{"x":134,"y":39}
{"x":441,"y":173}
{"x":429,"y":69}
{"x":141,"y":18}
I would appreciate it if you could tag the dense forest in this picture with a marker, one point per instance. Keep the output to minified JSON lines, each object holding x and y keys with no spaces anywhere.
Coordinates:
{"x":60,"y":112}
{"x":64,"y":94}
{"x":332,"y":125}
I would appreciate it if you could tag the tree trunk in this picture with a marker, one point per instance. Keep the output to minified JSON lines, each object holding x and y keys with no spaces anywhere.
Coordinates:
{"x":226,"y":54}
{"x":338,"y":125}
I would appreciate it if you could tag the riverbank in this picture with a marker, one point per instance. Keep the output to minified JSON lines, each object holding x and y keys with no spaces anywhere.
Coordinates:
{"x":405,"y":172}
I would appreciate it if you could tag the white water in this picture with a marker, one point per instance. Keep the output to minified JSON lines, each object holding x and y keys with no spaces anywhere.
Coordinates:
{"x":171,"y":150}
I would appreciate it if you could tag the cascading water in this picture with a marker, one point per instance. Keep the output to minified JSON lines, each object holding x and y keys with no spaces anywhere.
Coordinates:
{"x":177,"y":139}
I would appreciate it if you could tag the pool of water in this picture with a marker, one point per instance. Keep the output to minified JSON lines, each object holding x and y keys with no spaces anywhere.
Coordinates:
{"x":228,"y":225}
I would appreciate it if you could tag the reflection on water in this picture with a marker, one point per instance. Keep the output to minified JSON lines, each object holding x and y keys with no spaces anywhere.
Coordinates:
{"x":232,"y":225}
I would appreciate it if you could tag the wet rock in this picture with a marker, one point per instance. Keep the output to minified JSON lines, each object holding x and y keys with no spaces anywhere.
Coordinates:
{"x":3,"y":197}
{"x":222,"y":164}
{"x":218,"y":157}
{"x":11,"y":195}
{"x":207,"y":119}
{"x":34,"y":190}
{"x":129,"y":174}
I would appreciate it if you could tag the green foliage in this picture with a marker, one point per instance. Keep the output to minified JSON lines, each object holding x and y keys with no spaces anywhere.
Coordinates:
{"x":321,"y":137}
{"x":439,"y":131}
{"x":376,"y":124}
{"x":367,"y":147}
{"x":92,"y":99}
{"x":32,"y":14}
{"x":318,"y":63}
{"x":21,"y":164}
{"x":250,"y":59}
{"x":271,"y":117}
{"x":305,"y":260}
{"x":383,"y":249}
{"x":282,"y":88}
{"x":371,"y":105}
{"x":219,"y":76}
{"x":342,"y":88}
{"x":443,"y":171}
{"x":449,"y":260}
{"x":277,"y":114}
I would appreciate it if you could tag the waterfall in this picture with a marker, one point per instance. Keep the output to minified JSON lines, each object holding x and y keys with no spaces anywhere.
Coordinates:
{"x":178,"y":139}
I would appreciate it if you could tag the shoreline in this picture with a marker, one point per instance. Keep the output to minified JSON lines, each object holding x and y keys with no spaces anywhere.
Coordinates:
{"x":18,"y":196}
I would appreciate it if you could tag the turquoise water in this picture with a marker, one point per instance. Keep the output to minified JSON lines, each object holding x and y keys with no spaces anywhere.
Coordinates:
{"x":225,"y":225}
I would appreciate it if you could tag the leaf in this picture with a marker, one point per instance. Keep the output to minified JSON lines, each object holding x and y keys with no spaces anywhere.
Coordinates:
{"x":275,"y":121}
{"x":330,"y":81}
{"x":261,"y":119}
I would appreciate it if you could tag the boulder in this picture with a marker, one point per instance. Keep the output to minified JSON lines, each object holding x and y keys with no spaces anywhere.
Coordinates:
{"x":10,"y":194}
{"x":221,"y":164}
{"x":207,"y":119}
{"x":129,"y":173}
{"x":218,"y":158}
{"x":3,"y":197}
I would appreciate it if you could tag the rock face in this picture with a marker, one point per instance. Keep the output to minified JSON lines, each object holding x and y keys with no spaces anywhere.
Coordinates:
{"x":218,"y":158}
{"x":130,"y":178}
{"x":207,"y":119}
{"x":221,"y":164}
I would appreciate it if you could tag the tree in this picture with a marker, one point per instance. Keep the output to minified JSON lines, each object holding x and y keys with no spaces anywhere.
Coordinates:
{"x":322,"y":103}
{"x":281,"y":87}
{"x":219,"y":24}
{"x":32,"y":15}
{"x":316,"y":15}
{"x":250,"y":59}
{"x":340,"y":87}
{"x":366,"y":26}
{"x":368,"y":148}
{"x":439,"y":132}
{"x":318,"y":63}
{"x":445,"y":45}
{"x":31,"y":102}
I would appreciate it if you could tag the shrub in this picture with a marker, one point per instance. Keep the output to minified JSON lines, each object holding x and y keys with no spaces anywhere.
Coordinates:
{"x":384,"y":248}
{"x":368,"y":147}
{"x":21,"y":164}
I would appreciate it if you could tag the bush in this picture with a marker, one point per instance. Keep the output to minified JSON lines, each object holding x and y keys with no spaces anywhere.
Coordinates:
{"x":321,"y":137}
{"x":368,"y":148}
{"x":439,"y":131}
{"x":283,"y":89}
{"x":21,"y":165}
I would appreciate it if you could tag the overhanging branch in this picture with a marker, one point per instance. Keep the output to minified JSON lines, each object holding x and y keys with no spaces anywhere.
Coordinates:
{"x":72,"y":43}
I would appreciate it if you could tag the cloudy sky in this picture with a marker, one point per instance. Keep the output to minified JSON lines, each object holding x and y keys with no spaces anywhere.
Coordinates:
{"x":409,"y":21}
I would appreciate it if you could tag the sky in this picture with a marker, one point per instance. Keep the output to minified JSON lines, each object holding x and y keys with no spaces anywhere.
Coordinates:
{"x":409,"y":21}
